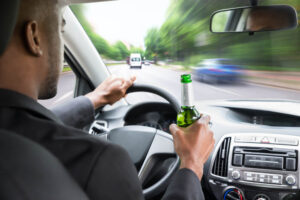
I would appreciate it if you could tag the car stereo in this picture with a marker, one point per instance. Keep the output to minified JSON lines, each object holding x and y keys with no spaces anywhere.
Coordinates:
{"x":255,"y":166}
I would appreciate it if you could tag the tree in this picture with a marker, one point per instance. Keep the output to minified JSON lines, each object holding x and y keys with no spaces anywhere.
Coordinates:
{"x":123,"y":51}
{"x":153,"y":44}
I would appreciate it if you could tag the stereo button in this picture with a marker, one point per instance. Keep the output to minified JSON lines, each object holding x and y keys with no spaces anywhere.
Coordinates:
{"x":252,"y":179}
{"x":291,"y":164}
{"x":275,"y":181}
{"x":266,"y":140}
{"x":275,"y":176}
{"x":263,"y":180}
{"x":263,"y":176}
{"x":249,"y":174}
{"x":287,"y":141}
{"x":245,"y":139}
{"x":238,"y":159}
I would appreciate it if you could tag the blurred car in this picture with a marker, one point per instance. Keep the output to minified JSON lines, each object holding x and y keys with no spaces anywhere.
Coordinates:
{"x":147,"y":62}
{"x":135,"y":60}
{"x":218,"y":71}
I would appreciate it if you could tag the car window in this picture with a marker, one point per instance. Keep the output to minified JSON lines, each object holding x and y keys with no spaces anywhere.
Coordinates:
{"x":136,"y":59}
{"x":174,"y":36}
{"x":65,"y":88}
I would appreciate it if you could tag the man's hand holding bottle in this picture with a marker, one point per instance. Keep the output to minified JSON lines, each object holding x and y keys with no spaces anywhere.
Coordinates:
{"x":193,"y":139}
{"x":194,"y":144}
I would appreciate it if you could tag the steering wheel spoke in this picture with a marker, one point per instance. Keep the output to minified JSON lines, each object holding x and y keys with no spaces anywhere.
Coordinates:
{"x":162,"y":144}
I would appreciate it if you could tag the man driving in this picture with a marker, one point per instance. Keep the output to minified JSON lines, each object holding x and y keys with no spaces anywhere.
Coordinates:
{"x":29,"y":70}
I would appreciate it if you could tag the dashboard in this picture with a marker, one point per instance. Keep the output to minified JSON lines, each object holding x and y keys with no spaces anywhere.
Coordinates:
{"x":256,"y":156}
{"x":258,"y":166}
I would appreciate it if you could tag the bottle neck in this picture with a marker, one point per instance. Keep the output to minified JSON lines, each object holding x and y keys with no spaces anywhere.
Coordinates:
{"x":187,"y":95}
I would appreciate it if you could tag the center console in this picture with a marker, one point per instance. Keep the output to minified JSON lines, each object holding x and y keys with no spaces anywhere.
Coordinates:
{"x":255,"y":166}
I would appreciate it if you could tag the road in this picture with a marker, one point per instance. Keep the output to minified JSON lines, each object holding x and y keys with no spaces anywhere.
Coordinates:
{"x":170,"y":81}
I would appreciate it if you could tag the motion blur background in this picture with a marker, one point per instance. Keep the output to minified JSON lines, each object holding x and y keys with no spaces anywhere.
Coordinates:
{"x":174,"y":36}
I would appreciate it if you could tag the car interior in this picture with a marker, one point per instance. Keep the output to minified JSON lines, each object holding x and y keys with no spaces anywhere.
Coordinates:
{"x":256,"y":156}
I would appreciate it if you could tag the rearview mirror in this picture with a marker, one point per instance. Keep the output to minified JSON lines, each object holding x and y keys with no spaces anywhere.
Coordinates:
{"x":254,"y":19}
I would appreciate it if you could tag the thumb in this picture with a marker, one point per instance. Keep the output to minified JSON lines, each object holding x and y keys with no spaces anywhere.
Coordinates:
{"x":174,"y":129}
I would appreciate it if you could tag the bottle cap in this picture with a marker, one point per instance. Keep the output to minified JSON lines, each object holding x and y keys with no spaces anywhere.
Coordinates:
{"x":186,"y":78}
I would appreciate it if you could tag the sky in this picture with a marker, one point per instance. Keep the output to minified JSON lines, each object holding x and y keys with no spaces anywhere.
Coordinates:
{"x":126,"y":20}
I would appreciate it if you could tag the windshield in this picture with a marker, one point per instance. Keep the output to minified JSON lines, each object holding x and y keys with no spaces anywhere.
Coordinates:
{"x":174,"y":36}
{"x":135,"y":59}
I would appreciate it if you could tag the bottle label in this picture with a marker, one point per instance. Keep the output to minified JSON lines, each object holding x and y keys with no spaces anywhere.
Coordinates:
{"x":186,"y":94}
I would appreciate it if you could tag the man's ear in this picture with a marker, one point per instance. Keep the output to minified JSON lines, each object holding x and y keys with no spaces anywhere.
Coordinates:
{"x":33,"y":38}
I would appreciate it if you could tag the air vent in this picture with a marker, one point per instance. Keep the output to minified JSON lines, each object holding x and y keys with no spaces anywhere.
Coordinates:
{"x":220,"y":167}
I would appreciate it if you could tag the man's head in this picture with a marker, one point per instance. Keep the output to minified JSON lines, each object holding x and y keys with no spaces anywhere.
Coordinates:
{"x":262,"y":19}
{"x":33,"y":58}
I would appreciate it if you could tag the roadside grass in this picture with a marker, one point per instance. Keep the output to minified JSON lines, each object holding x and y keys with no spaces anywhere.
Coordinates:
{"x":67,"y":69}
{"x":113,"y":64}
{"x":163,"y":66}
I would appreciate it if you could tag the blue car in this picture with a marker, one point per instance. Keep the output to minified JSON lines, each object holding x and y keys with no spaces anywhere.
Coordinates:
{"x":217,"y":71}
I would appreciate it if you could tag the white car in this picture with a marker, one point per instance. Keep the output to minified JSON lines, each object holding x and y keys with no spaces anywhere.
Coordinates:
{"x":135,"y":60}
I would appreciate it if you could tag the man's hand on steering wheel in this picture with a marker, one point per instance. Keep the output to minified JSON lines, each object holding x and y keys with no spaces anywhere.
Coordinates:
{"x":110,"y":91}
{"x":193,"y":144}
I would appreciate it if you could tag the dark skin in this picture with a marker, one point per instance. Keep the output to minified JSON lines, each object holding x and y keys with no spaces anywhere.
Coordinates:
{"x":14,"y":77}
{"x":31,"y":65}
{"x":261,"y":20}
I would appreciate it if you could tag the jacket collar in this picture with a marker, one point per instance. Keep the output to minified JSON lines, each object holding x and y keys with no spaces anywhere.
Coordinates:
{"x":12,"y":99}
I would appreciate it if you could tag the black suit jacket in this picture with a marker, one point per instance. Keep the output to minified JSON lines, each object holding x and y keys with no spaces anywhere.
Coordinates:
{"x":103,"y":170}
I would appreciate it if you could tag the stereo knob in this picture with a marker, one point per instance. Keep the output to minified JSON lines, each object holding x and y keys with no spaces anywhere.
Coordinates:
{"x":236,"y":175}
{"x":290,"y":180}
{"x":233,"y":194}
{"x":261,"y":197}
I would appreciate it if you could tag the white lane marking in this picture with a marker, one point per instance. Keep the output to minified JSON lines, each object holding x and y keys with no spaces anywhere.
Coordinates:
{"x":64,"y":97}
{"x":222,"y":90}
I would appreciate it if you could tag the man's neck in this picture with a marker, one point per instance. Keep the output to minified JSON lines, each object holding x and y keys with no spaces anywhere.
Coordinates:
{"x":26,"y":92}
{"x":18,"y":72}
{"x":19,"y":79}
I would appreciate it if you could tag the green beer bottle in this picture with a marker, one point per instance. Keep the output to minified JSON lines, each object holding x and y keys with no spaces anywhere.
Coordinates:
{"x":188,"y":113}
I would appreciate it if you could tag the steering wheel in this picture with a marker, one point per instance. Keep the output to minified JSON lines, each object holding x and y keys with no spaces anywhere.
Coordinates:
{"x":144,"y":144}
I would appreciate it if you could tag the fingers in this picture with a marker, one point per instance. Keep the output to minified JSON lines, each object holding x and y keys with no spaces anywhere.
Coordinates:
{"x":120,"y":82}
{"x":113,"y":81}
{"x":128,"y":83}
{"x":205,"y":119}
{"x":175,"y":130}
{"x":177,"y":137}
